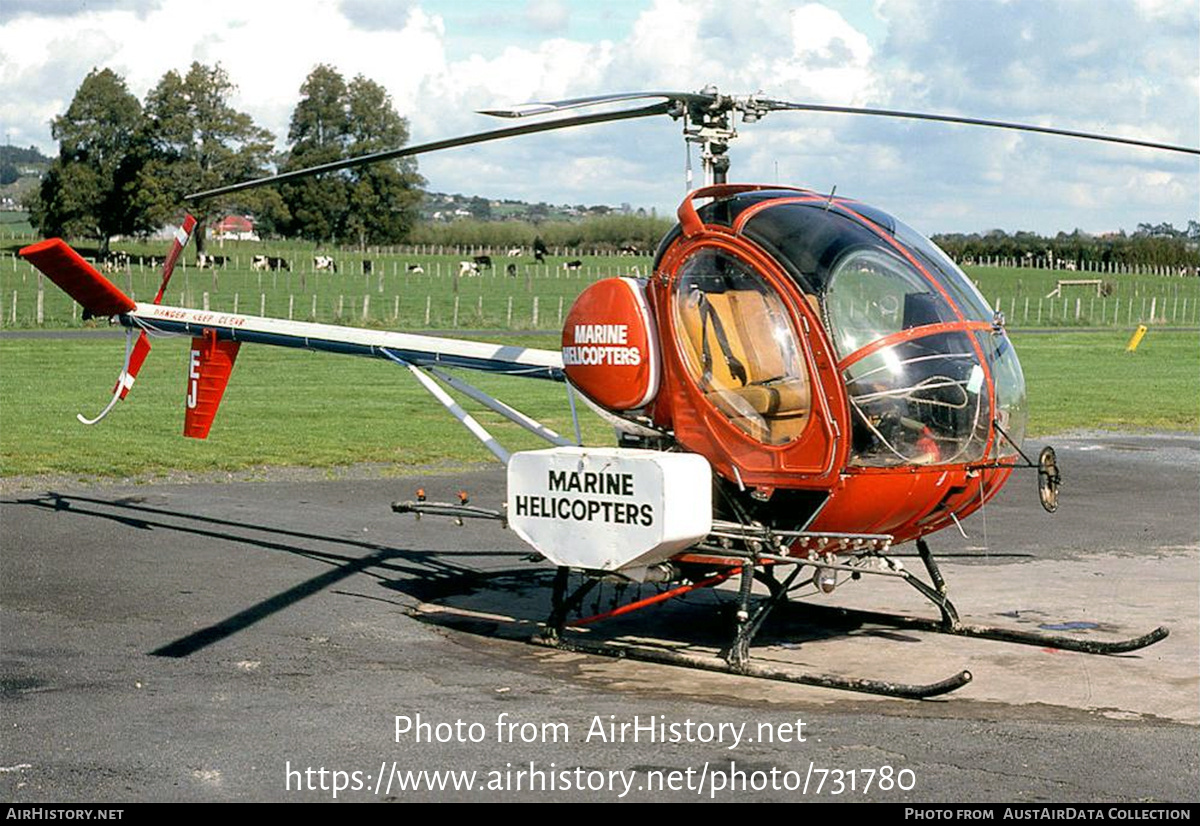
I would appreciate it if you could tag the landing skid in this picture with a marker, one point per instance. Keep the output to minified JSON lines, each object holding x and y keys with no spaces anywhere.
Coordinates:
{"x":733,"y":660}
{"x":950,"y":623}
{"x":751,"y":613}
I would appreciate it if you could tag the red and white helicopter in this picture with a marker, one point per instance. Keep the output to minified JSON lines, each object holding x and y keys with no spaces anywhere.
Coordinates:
{"x":802,"y":383}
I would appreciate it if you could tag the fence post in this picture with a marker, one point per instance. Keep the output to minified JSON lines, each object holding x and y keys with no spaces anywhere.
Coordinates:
{"x":428,"y":301}
{"x":396,"y":308}
{"x":560,"y":309}
{"x":454,"y":322}
{"x":204,"y":301}
{"x":314,"y":307}
{"x":366,"y":313}
{"x":535,"y":312}
{"x":41,"y":302}
{"x":262,"y":304}
{"x":291,"y":306}
{"x":508,"y":324}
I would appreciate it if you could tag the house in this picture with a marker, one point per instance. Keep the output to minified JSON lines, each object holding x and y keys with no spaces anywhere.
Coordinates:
{"x":234,"y":228}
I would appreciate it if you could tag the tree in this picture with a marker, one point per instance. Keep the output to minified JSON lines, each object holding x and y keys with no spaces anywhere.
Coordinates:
{"x":318,"y":134}
{"x":373,"y":204}
{"x":90,"y":189}
{"x":199,"y":142}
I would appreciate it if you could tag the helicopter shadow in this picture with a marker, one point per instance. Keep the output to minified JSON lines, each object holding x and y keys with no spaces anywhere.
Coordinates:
{"x":430,"y":574}
{"x":442,"y":589}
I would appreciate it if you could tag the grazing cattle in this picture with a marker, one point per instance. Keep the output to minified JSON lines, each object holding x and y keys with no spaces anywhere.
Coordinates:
{"x":366,"y":266}
{"x":513,"y":252}
{"x":270,"y":262}
{"x":539,"y":256}
{"x":115,"y":261}
{"x":415,"y":269}
{"x":571,"y":266}
{"x":511,"y":270}
{"x":629,"y":249}
{"x":467,"y":268}
{"x":211,"y":262}
{"x":539,"y":250}
{"x":483,"y":261}
{"x":323,"y":263}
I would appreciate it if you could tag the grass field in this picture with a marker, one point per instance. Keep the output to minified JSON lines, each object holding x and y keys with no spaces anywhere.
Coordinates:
{"x":286,"y":407}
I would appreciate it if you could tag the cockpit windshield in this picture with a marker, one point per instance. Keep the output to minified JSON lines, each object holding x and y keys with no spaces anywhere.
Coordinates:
{"x":927,"y":371}
{"x":917,"y":390}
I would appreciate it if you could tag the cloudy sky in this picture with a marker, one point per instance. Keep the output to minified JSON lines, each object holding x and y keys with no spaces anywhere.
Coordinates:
{"x":1128,"y":67}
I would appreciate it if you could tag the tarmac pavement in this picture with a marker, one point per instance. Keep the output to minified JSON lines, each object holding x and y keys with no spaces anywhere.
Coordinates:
{"x":266,"y":641}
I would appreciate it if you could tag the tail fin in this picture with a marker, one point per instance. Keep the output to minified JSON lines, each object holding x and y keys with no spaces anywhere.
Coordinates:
{"x":209,"y":367}
{"x":96,"y":294}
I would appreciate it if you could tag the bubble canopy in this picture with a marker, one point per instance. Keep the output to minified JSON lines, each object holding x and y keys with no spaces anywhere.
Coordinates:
{"x":927,"y":365}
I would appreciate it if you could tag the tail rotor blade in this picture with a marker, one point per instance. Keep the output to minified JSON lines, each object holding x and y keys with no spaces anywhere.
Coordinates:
{"x":177,"y":244}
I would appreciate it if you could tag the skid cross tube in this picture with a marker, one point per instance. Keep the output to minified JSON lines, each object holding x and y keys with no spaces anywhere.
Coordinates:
{"x":735,"y":659}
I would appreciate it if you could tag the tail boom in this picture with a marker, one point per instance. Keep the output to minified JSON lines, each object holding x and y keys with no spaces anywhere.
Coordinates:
{"x":421,"y":350}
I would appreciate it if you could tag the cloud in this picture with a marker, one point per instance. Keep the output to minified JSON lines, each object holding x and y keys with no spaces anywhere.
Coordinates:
{"x":376,"y":15}
{"x":547,"y":16}
{"x":12,"y":9}
{"x":1041,"y":62}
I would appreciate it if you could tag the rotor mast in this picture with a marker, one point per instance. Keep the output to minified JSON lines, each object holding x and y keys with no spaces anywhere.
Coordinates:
{"x":708,"y":123}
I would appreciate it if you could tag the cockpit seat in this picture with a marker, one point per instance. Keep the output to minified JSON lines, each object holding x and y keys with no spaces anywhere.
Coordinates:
{"x":742,"y":367}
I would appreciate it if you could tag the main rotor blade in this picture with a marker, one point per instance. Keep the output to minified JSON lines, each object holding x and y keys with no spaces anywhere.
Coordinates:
{"x":434,"y":146}
{"x":1020,"y":127}
{"x":543,"y":107}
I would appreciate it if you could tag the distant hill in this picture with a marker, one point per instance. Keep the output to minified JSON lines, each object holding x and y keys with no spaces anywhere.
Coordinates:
{"x":443,"y":207}
{"x":17,"y":155}
{"x":20,"y":171}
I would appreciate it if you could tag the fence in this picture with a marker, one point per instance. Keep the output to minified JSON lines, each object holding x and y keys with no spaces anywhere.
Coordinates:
{"x":391,"y":294}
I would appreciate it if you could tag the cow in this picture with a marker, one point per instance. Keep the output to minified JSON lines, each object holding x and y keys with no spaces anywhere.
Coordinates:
{"x":324,"y":263}
{"x":628,"y":249}
{"x":513,"y":252}
{"x":269,"y":262}
{"x":511,"y":270}
{"x":205,"y":261}
{"x":572,"y":266}
{"x":415,"y":269}
{"x":115,"y":261}
{"x":483,"y":262}
{"x":366,"y":266}
{"x":539,"y":250}
{"x":467,"y":268}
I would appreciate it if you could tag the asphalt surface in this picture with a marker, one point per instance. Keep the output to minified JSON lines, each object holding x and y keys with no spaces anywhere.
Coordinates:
{"x":228,"y":642}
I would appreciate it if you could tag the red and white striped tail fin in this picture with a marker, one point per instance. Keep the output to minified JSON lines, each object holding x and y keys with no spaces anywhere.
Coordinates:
{"x":209,"y":367}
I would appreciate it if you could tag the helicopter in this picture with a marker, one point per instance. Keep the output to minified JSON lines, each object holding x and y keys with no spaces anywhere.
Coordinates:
{"x":801,"y":383}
